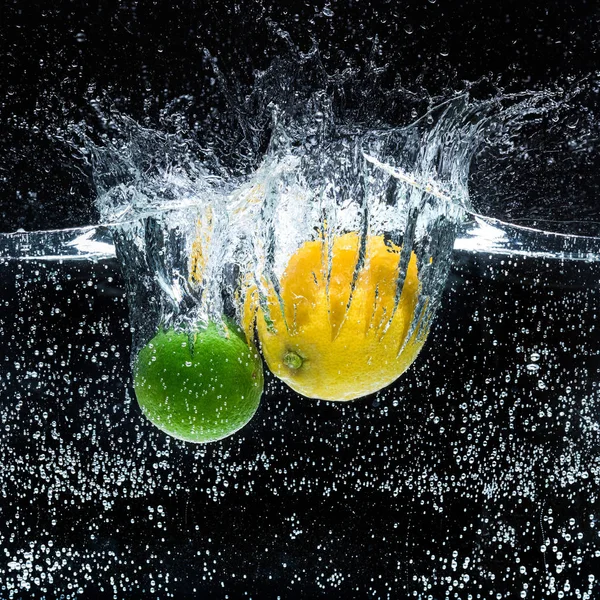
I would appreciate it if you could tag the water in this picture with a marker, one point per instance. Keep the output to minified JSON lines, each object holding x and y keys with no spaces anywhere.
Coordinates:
{"x":476,"y":474}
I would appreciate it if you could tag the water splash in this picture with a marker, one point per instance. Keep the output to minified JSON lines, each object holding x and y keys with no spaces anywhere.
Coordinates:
{"x":300,"y":156}
{"x":307,"y":163}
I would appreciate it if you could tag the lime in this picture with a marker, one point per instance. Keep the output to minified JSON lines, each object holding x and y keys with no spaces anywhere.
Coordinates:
{"x":200,"y":386}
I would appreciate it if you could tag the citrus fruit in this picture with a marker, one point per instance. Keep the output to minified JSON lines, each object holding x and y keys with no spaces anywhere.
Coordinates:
{"x":200,"y":386}
{"x":327,"y":340}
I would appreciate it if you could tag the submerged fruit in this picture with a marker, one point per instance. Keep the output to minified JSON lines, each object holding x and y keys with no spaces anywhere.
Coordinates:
{"x":327,"y":340}
{"x":201,"y":386}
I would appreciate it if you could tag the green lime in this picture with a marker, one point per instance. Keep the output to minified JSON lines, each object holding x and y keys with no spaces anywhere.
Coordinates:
{"x":200,"y":386}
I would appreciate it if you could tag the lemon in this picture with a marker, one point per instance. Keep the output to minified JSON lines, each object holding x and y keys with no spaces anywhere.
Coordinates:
{"x":328,"y":341}
{"x":201,"y":386}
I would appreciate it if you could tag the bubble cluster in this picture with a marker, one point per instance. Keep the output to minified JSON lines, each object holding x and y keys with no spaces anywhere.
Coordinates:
{"x":467,"y":478}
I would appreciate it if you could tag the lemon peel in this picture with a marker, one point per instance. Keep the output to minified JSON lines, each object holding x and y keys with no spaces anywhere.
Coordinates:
{"x":335,"y":330}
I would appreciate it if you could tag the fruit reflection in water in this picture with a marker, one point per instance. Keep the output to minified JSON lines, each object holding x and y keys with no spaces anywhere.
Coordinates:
{"x":328,"y":339}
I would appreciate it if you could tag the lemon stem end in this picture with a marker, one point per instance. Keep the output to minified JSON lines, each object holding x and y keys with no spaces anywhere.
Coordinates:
{"x":292,"y":360}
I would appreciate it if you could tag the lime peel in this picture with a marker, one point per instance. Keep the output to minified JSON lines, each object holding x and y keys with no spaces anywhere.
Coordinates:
{"x":201,"y":387}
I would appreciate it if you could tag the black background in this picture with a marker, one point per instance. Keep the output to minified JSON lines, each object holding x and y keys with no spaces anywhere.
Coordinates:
{"x":473,"y":475}
{"x":467,"y":453}
{"x":60,"y":57}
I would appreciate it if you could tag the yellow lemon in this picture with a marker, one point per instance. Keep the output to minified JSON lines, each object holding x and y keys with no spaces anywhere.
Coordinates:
{"x":328,"y":339}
